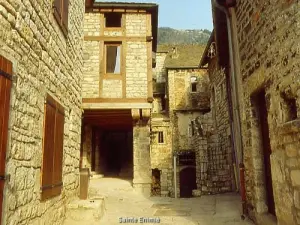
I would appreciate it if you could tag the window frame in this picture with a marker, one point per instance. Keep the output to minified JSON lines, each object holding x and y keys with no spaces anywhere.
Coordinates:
{"x":160,"y":137}
{"x":193,"y":83}
{"x":53,"y":149}
{"x":107,"y":44}
{"x":192,"y":128}
{"x":113,"y":28}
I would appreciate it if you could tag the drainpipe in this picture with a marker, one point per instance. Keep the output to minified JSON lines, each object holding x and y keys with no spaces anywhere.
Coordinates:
{"x":175,"y":178}
{"x":236,"y":114}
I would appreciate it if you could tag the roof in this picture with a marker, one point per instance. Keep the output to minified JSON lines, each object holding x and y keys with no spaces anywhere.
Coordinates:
{"x":182,"y":55}
{"x":149,"y":6}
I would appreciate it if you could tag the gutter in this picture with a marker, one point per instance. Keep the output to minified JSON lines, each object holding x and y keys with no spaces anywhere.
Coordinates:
{"x":236,"y":112}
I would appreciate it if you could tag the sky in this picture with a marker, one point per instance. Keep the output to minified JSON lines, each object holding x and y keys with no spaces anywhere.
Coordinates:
{"x":180,"y":14}
{"x":185,"y":14}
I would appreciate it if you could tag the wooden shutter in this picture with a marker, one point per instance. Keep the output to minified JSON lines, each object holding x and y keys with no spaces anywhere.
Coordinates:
{"x":5,"y":89}
{"x":53,"y":149}
{"x":48,"y":148}
{"x":58,"y":152}
{"x":65,"y":14}
{"x":57,"y":7}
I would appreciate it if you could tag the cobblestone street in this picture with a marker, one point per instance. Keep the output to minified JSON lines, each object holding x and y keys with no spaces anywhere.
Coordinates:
{"x":121,"y":201}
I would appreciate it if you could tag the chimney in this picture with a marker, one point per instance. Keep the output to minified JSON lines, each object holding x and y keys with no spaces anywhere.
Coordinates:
{"x":174,"y":53}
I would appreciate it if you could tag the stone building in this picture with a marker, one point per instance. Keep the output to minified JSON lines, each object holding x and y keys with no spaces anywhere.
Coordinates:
{"x":180,"y":96}
{"x":263,"y":53}
{"x":120,"y":41}
{"x":215,"y":155}
{"x":40,"y":83}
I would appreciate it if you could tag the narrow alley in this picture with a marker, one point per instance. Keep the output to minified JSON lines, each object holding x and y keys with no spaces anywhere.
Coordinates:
{"x":156,"y":112}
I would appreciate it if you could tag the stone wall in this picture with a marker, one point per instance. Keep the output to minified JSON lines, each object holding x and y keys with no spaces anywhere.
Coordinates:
{"x":160,"y":72}
{"x":182,"y":122}
{"x":188,"y":103}
{"x":44,"y":61}
{"x":213,"y":145}
{"x":161,"y":153}
{"x":136,"y":70}
{"x":90,"y":83}
{"x":141,"y":158}
{"x":87,"y":147}
{"x":180,"y":94}
{"x":112,"y":89}
{"x":268,"y":34}
{"x":136,"y":24}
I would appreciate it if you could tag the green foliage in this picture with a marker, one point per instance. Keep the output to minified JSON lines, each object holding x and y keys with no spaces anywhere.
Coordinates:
{"x":167,"y":35}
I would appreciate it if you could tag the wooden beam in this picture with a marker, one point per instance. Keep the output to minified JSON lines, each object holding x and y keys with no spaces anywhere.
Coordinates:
{"x":114,"y":100}
{"x":124,"y":49}
{"x":116,"y":39}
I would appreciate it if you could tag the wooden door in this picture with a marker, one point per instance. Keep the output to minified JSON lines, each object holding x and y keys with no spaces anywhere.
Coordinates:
{"x":5,"y":88}
{"x":187,"y":182}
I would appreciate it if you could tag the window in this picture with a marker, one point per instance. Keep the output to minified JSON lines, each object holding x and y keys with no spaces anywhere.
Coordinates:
{"x":192,"y":128}
{"x":163,"y":103}
{"x":290,"y":107}
{"x":160,"y":137}
{"x":52,"y":149}
{"x":60,"y":10}
{"x":113,"y":19}
{"x":113,"y":58}
{"x":193,"y":84}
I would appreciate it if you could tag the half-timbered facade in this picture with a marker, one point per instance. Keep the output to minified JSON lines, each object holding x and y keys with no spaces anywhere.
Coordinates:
{"x":120,"y":39}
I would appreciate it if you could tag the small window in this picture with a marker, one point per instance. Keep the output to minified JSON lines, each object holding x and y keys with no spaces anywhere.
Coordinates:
{"x":160,"y":137}
{"x":290,"y":106}
{"x":52,"y":149}
{"x":163,"y":103}
{"x":61,"y":11}
{"x":113,"y":19}
{"x":192,"y":128}
{"x":193,"y":84}
{"x":113,"y":59}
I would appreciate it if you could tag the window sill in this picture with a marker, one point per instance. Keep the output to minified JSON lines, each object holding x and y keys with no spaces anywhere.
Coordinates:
{"x":113,"y":28}
{"x":292,"y":126}
{"x":113,"y":76}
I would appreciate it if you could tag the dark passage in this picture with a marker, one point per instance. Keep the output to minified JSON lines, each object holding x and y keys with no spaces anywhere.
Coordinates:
{"x":187,"y":182}
{"x":115,"y":153}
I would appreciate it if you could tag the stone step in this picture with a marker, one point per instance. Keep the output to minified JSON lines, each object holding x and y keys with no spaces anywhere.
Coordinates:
{"x":88,"y":212}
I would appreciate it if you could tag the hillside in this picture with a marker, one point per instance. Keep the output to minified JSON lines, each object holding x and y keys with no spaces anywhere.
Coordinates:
{"x":168,"y":35}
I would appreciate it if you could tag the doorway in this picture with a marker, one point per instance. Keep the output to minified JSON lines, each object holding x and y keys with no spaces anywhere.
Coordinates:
{"x":187,"y":182}
{"x":115,"y":153}
{"x":260,"y":104}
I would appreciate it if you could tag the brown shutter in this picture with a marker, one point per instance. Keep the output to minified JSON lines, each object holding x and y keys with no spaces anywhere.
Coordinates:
{"x":48,"y":148}
{"x":57,"y":7}
{"x":65,"y":14}
{"x":58,"y":152}
{"x":5,"y":89}
{"x":53,"y":149}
